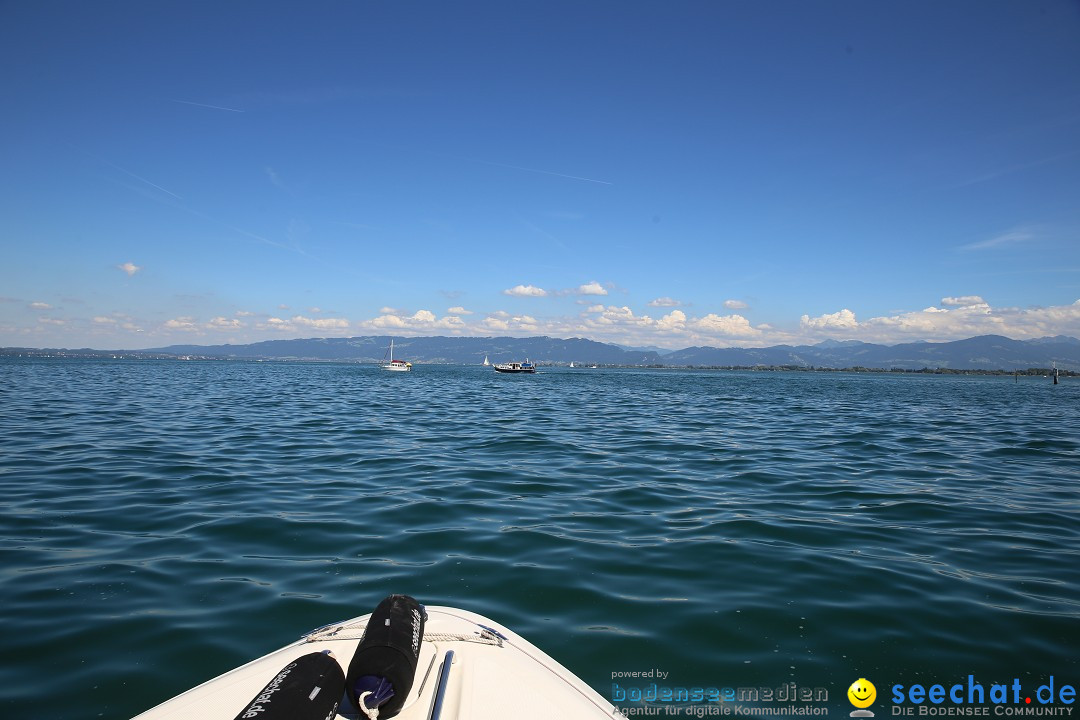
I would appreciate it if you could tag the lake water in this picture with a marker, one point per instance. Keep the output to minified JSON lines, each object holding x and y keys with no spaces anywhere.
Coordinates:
{"x":163,"y":522}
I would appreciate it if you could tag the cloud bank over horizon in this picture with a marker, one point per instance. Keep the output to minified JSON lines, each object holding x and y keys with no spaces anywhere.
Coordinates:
{"x":956,"y":318}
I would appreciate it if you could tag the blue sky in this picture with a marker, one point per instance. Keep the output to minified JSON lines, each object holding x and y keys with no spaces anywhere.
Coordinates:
{"x":651,"y":174}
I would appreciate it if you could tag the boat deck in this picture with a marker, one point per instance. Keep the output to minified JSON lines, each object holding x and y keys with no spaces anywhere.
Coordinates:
{"x":469,"y":667}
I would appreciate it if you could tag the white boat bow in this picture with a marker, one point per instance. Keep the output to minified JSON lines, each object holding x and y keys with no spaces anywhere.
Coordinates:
{"x":469,"y":667}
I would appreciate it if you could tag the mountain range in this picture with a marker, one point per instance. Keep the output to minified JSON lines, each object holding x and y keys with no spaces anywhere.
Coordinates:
{"x":986,"y":352}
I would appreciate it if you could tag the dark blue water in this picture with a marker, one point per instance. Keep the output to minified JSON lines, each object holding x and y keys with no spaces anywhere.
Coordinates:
{"x":163,"y":522}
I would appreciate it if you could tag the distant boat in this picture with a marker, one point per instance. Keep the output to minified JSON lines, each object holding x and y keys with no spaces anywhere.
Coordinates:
{"x":486,"y":363}
{"x":396,"y":365}
{"x":516,"y":367}
{"x":571,"y":363}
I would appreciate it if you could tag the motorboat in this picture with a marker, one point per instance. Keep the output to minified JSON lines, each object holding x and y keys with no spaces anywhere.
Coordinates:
{"x":515,"y":367}
{"x":456,"y":664}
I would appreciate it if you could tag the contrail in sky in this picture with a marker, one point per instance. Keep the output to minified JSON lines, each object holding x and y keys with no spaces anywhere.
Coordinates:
{"x":142,"y":179}
{"x":215,"y":107}
{"x":126,"y":172}
{"x":545,"y":172}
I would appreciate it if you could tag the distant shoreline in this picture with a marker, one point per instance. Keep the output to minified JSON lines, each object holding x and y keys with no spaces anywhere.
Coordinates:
{"x":896,"y":371}
{"x":137,"y":355}
{"x":991,"y":353}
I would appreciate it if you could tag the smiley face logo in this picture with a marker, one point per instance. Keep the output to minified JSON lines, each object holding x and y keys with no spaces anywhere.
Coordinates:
{"x":862,"y":693}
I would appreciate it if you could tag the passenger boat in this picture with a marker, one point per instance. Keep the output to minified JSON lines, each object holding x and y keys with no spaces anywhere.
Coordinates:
{"x":515,"y":367}
{"x":456,"y":664}
{"x":396,"y":365}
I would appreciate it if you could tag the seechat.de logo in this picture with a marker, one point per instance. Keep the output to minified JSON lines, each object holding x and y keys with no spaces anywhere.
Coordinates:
{"x":862,"y":694}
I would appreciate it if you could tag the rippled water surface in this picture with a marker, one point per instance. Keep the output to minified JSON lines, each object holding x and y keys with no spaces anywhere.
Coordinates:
{"x":163,"y":522}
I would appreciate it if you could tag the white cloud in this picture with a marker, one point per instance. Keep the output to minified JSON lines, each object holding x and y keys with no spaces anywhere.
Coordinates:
{"x":275,"y":323}
{"x":735,"y":305}
{"x":130,"y":268}
{"x":675,"y":329}
{"x":622,"y":324}
{"x":184,"y":324}
{"x":40,"y":306}
{"x":295,"y":324}
{"x":525,"y":291}
{"x":943,"y":324}
{"x":244,"y":313}
{"x":453,"y":322}
{"x":954,"y":318}
{"x":963,"y":300}
{"x":459,"y":311}
{"x":116,"y":321}
{"x":621,"y":315}
{"x":387,"y":321}
{"x":674,"y":321}
{"x":593,"y":288}
{"x":222,"y":323}
{"x":735,"y":325}
{"x":420,"y":321}
{"x":843,"y":320}
{"x":320,"y":323}
{"x":935,"y":324}
{"x":502,"y":321}
{"x":664,"y":302}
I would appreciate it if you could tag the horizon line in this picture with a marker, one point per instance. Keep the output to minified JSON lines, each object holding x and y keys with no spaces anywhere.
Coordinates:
{"x":626,"y":348}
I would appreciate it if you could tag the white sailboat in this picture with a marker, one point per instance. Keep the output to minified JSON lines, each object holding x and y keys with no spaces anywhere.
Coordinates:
{"x":396,"y":365}
{"x":486,"y":363}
